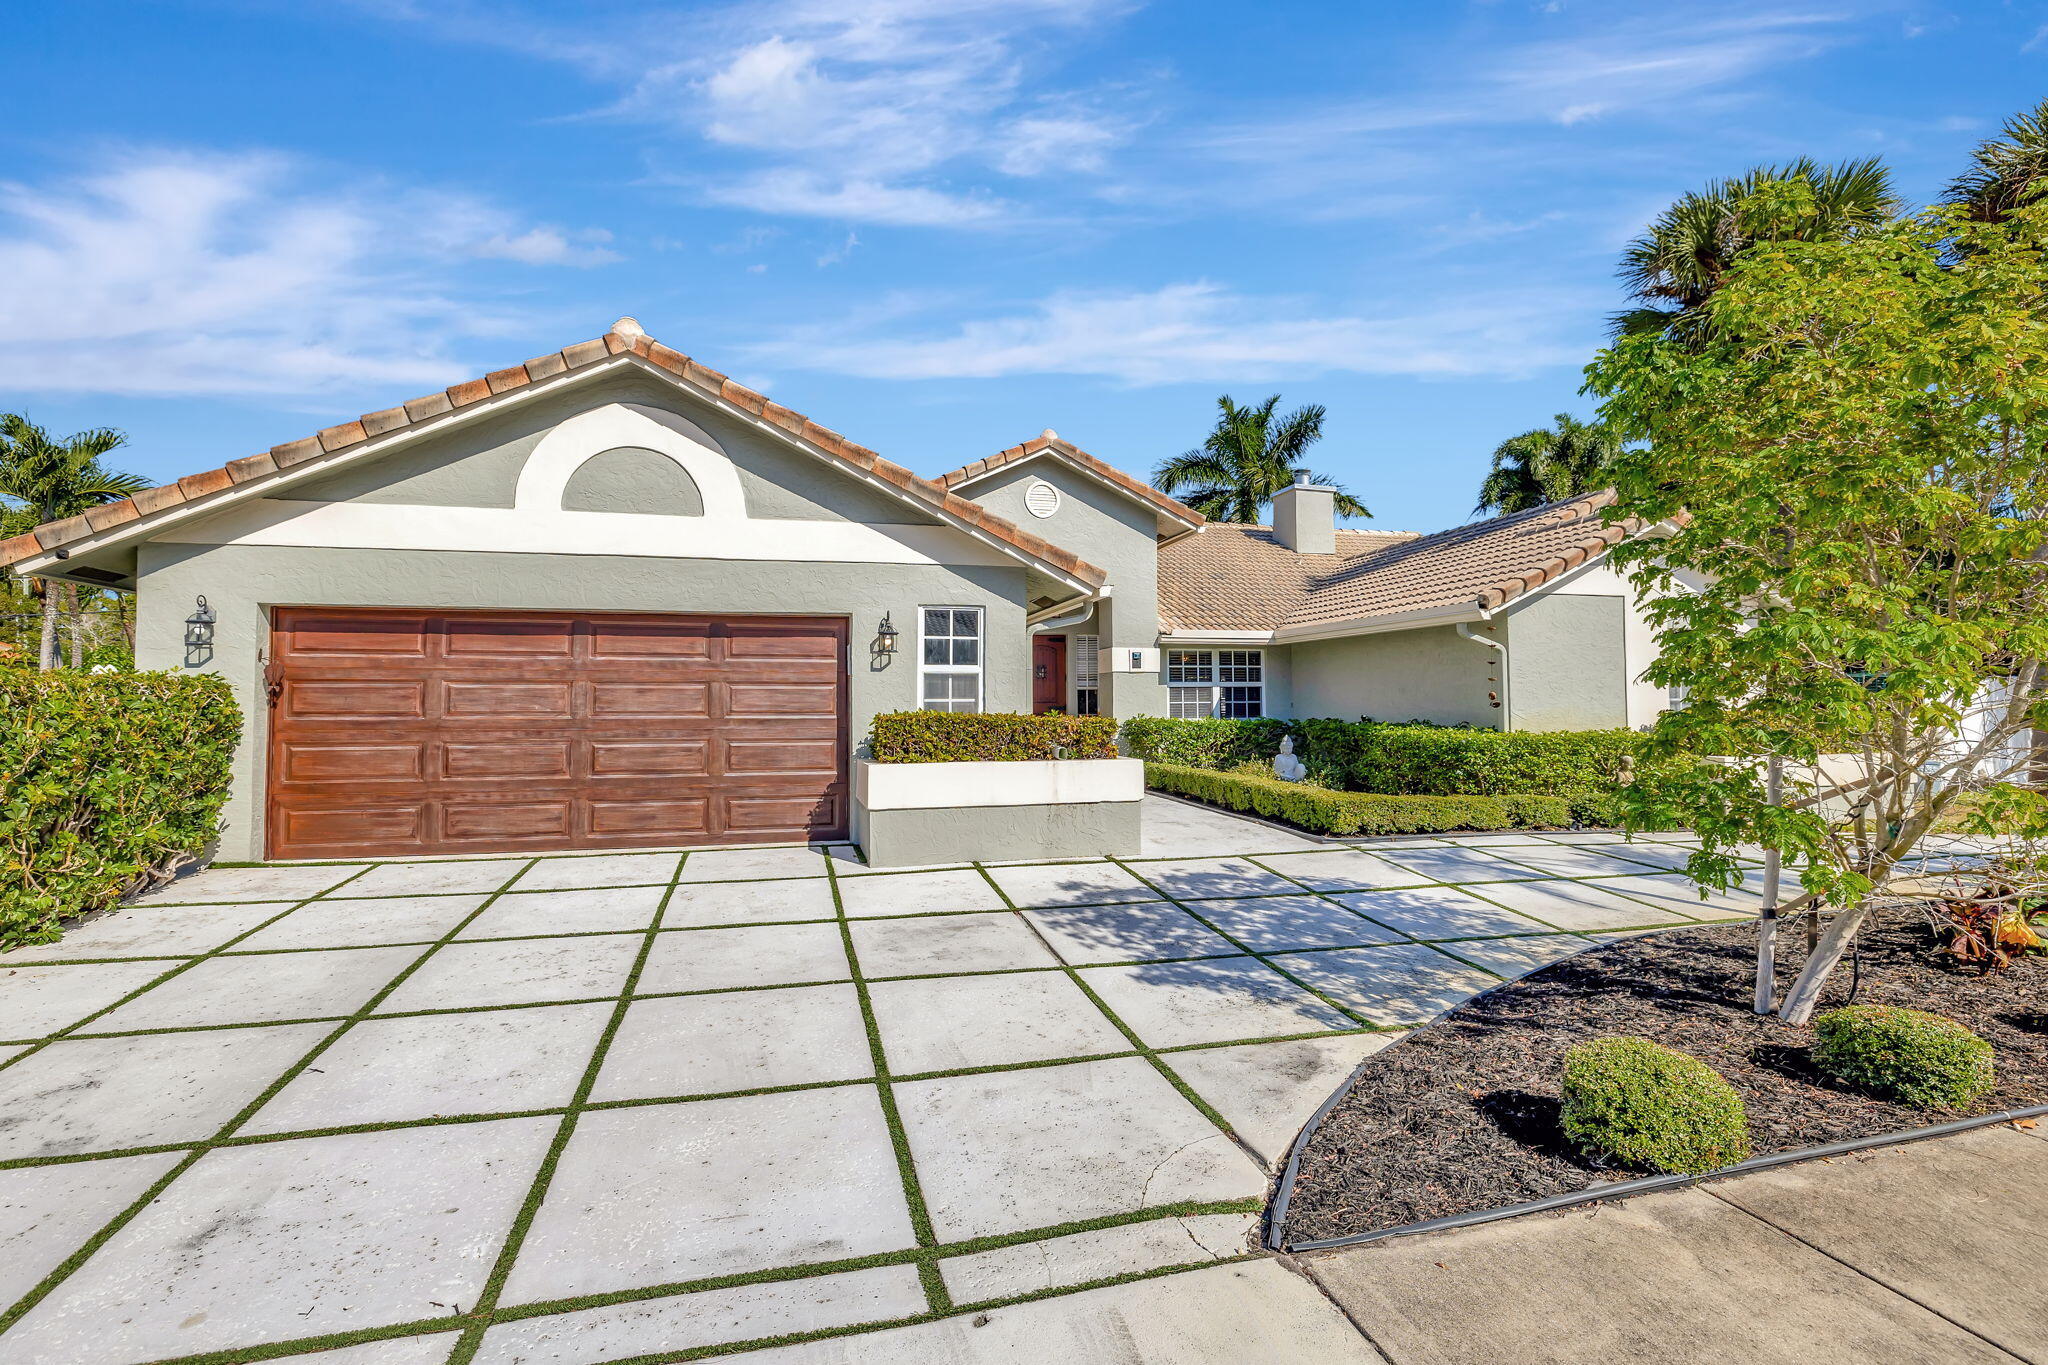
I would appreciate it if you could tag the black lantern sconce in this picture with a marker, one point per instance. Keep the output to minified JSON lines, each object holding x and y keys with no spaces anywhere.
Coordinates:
{"x":199,"y":635}
{"x":885,"y":636}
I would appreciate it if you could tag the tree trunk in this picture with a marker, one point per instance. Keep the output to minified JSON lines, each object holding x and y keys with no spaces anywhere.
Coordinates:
{"x":77,"y":627}
{"x":47,"y":650}
{"x":1767,"y":926}
{"x":1821,"y":963}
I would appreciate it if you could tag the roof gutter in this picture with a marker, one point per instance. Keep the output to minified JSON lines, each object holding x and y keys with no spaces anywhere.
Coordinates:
{"x":1072,"y":615}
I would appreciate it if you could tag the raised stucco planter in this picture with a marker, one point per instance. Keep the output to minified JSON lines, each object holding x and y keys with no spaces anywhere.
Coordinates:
{"x":912,"y":814}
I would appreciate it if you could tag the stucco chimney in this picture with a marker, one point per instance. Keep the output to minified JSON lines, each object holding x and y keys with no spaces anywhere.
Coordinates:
{"x":1305,"y":516}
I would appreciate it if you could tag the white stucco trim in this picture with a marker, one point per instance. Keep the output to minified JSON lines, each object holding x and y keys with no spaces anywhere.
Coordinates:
{"x":1376,"y":625}
{"x":1177,"y":638}
{"x":559,"y":454}
{"x":938,"y":786}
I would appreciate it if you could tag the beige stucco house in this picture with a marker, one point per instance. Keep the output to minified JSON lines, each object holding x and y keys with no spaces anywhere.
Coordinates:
{"x":611,"y":598}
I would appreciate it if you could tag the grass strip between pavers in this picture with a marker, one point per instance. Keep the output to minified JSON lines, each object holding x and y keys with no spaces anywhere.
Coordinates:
{"x":69,"y":1264}
{"x":935,"y":1294}
{"x":915,"y":1256}
{"x":479,"y":1317}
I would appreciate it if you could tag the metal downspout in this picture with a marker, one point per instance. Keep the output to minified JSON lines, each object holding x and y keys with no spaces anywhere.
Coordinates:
{"x":1507,"y":716}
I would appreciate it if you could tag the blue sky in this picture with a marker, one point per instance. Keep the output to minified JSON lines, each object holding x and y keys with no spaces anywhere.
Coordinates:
{"x":936,"y":227}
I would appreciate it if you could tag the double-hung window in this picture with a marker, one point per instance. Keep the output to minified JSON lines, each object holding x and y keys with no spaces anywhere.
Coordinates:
{"x":949,"y":658}
{"x":1216,"y":682}
{"x":1087,"y":675}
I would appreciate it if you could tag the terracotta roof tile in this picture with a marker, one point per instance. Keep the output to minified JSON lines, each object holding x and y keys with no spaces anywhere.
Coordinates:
{"x":1242,"y":578}
{"x":1072,"y":454}
{"x":111,"y":514}
{"x":1234,"y":577}
{"x":429,"y":407}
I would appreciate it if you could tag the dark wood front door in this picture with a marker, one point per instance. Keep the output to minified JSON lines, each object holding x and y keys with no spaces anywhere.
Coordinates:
{"x":1048,"y":673}
{"x":399,"y":733}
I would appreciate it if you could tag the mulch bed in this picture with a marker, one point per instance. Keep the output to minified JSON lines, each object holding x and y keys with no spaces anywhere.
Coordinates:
{"x":1464,"y":1114}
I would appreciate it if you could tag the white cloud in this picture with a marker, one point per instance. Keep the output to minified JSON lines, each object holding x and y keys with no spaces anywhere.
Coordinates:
{"x":170,"y":272}
{"x":836,"y":254}
{"x":1199,"y":331}
{"x":811,"y":195}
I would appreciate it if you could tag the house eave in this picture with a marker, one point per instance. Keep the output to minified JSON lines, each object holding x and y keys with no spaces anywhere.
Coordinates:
{"x":1380,"y":624}
{"x":1170,"y":526}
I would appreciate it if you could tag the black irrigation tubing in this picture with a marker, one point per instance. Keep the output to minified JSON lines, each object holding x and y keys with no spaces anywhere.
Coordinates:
{"x":1619,"y":1189}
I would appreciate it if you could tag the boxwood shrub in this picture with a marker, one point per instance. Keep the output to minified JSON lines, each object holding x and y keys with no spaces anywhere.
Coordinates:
{"x":107,"y":781}
{"x":1631,"y":1101}
{"x":1911,"y":1056}
{"x":1335,"y":812}
{"x":956,"y":737}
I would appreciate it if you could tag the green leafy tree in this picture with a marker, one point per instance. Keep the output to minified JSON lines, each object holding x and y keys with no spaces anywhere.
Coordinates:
{"x":2008,"y":171}
{"x":1250,"y":456}
{"x":1675,"y":267}
{"x":1850,"y":452}
{"x":1549,"y":463}
{"x":43,"y":479}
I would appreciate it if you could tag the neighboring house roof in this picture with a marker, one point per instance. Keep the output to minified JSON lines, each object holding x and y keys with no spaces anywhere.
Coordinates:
{"x":1048,"y":443}
{"x":1474,"y":568}
{"x":1236,"y":577}
{"x":370,"y":433}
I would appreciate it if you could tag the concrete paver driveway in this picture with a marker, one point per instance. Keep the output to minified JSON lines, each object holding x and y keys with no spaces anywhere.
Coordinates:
{"x":604,"y":1107}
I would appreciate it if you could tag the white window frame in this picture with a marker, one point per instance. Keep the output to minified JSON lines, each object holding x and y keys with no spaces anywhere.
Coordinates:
{"x":976,"y":670}
{"x":1197,"y":680}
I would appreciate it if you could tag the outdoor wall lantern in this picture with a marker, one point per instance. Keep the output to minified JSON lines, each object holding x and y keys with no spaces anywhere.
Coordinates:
{"x":199,"y":635}
{"x":885,"y":636}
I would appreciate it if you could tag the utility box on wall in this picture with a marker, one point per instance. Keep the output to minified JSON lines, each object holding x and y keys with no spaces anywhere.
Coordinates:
{"x":1132,"y":660}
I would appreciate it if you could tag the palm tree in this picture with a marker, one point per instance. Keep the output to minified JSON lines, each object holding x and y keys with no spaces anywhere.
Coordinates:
{"x":2007,"y":171}
{"x":1549,"y":463}
{"x":47,"y":480}
{"x":1249,"y":457}
{"x":1682,"y":258}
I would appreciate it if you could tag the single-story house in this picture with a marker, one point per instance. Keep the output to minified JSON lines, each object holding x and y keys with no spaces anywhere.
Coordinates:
{"x":611,"y":598}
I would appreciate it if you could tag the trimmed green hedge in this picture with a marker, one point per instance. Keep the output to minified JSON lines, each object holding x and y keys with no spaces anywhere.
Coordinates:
{"x":1911,"y":1056}
{"x":1646,"y":1106}
{"x":959,"y":737}
{"x":1582,"y":766}
{"x":1334,"y":812}
{"x":1205,"y":743}
{"x":107,"y":780}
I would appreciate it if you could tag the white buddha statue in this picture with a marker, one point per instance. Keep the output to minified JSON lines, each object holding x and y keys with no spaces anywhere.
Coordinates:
{"x":1286,"y":766}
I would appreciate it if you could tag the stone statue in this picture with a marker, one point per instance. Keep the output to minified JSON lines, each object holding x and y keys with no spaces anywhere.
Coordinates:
{"x":1286,"y":766}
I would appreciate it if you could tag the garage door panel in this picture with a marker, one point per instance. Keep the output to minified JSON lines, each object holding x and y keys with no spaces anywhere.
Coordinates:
{"x":355,"y":699}
{"x":509,"y":759}
{"x":318,"y":828}
{"x":367,"y":637}
{"x":791,"y":756}
{"x":758,"y":813}
{"x":650,"y":699}
{"x":764,"y":701}
{"x":649,"y":758}
{"x":535,"y":731}
{"x":486,"y":639}
{"x":627,"y":640}
{"x":630,"y":820}
{"x":460,"y":700}
{"x":506,"y":821}
{"x":315,"y":762}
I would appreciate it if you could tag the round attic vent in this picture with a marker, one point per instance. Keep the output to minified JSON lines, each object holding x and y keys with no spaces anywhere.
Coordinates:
{"x":1041,"y":499}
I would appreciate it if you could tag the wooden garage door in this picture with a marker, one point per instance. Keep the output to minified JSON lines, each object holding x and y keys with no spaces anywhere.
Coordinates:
{"x":412,"y":732}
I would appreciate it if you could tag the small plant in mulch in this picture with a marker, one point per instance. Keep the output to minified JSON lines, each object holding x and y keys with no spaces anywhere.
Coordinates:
{"x":1648,"y":1107}
{"x":1907,"y":1055}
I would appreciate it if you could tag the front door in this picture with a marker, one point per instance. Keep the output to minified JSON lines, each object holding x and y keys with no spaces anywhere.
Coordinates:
{"x":1048,"y":673}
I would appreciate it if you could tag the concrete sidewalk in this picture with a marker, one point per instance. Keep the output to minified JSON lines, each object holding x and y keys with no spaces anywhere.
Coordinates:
{"x":1929,"y":1252}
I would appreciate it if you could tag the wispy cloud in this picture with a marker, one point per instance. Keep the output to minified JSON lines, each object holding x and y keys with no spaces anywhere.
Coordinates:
{"x":1198,"y":331}
{"x":172,"y":272}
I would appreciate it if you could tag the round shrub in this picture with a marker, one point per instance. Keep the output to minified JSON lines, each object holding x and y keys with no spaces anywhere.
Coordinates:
{"x":1631,"y":1101}
{"x":1906,"y":1055}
